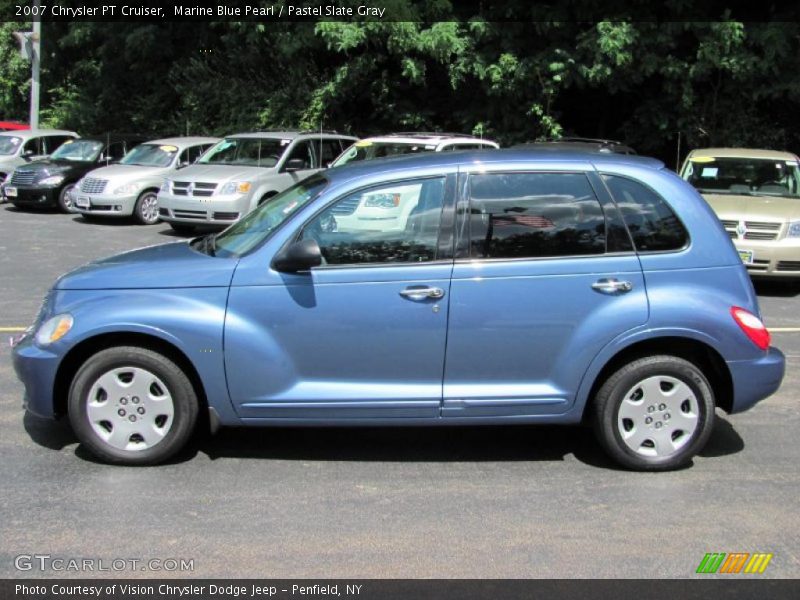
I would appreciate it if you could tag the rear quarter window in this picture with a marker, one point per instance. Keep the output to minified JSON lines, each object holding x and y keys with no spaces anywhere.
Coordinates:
{"x":653,"y":225}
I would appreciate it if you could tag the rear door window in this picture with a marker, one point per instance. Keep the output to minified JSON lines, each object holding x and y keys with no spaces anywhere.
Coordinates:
{"x":653,"y":225}
{"x":533,"y":215}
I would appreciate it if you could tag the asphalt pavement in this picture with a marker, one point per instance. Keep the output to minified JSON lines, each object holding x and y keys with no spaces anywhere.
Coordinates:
{"x":516,"y":502}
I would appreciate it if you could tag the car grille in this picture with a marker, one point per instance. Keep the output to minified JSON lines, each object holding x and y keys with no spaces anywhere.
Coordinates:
{"x":730,"y":224}
{"x":347,"y":207}
{"x":193,"y":188}
{"x":758,"y":265}
{"x":760,"y":235}
{"x":189,"y":214}
{"x":788,"y":265}
{"x":21,"y":177}
{"x":93,"y":186}
{"x":732,"y":234}
{"x":762,"y":225}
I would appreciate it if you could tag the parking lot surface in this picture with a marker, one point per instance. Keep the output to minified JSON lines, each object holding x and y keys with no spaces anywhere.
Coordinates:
{"x":514,"y":502}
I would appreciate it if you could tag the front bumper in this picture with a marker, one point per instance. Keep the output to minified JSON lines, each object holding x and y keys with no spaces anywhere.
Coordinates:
{"x":209,"y":211}
{"x":755,"y":380}
{"x":36,"y":368}
{"x":33,"y":196}
{"x":107,"y":205}
{"x":772,"y":259}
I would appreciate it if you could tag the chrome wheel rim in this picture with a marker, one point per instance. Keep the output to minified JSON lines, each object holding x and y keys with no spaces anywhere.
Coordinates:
{"x":68,"y":202}
{"x":130,"y":408}
{"x":658,"y":416}
{"x":149,"y":209}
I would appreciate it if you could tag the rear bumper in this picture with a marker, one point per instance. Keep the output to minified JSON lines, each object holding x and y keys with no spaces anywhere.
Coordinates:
{"x":755,"y":380}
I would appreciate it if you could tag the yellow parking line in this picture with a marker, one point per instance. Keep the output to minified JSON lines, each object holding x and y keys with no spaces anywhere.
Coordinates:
{"x":784,"y":329}
{"x":12,"y":329}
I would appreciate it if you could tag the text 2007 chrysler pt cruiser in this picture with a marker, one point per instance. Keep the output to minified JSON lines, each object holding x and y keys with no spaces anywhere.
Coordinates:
{"x":521,"y":287}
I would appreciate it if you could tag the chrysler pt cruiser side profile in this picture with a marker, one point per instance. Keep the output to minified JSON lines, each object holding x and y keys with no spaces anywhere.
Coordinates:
{"x":502,"y":287}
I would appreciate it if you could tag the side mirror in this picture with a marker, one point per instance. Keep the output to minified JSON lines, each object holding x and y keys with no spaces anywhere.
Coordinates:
{"x":294,"y":164}
{"x":26,"y":154}
{"x":183,"y":164}
{"x":298,"y":256}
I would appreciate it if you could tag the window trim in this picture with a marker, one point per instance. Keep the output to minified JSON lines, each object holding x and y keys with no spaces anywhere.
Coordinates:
{"x":687,"y":244}
{"x":448,"y":206}
{"x":463,"y":244}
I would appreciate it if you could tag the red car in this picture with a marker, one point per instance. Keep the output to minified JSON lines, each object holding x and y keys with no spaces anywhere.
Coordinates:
{"x":13,"y":126}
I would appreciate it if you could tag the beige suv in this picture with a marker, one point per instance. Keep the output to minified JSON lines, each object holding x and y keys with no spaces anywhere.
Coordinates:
{"x":756,"y":195}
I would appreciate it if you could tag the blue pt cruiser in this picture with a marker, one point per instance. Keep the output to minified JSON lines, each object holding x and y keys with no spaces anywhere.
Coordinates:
{"x":469,"y":288}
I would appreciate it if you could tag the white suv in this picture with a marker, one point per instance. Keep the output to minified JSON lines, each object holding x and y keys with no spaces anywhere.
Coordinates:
{"x":242,"y":171}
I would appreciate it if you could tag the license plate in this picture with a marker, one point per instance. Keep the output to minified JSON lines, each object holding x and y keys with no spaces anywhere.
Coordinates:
{"x":746,"y":256}
{"x":82,"y":202}
{"x":11,"y":192}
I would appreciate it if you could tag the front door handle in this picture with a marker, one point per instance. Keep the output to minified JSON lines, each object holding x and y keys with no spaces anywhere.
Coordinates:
{"x":612,"y":286}
{"x":422,"y":292}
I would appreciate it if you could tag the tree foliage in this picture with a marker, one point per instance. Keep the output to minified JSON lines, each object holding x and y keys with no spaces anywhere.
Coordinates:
{"x":716,"y":82}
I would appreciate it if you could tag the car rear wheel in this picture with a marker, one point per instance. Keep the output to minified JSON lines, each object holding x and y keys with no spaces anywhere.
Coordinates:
{"x":65,"y":201}
{"x":146,"y":210}
{"x":655,"y":413}
{"x":132,"y":406}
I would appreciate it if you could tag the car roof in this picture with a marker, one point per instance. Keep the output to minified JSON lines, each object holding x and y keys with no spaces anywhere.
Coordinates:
{"x":489,"y":158}
{"x":289,"y":135}
{"x":742,"y":153}
{"x":182,"y":142}
{"x":429,"y":138}
{"x":30,"y":133}
{"x":606,"y":146}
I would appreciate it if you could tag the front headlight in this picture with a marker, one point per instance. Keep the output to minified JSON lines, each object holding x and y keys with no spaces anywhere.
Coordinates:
{"x":52,"y":180}
{"x":794,"y":229}
{"x":54,"y":329}
{"x":165,"y":186}
{"x":382,"y":200}
{"x":235,"y":187}
{"x":127,"y":188}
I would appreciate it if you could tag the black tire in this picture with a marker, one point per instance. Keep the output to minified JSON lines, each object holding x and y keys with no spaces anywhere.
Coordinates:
{"x":266,"y":197}
{"x":64,"y":200}
{"x":143,"y":211}
{"x":182,"y":228}
{"x":170,"y":381}
{"x":672,"y":446}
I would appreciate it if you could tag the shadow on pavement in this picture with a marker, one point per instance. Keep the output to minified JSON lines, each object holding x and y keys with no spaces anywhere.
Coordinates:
{"x":392,"y":444}
{"x":777,"y":289}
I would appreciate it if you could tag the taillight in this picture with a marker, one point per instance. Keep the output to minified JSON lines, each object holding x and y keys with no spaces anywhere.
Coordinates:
{"x":752,"y":326}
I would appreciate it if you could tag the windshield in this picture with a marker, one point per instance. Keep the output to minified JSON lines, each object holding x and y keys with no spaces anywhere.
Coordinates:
{"x":257,"y":225}
{"x":248,"y":152}
{"x":9,"y":144}
{"x":366,"y":150}
{"x":79,"y":150}
{"x":744,"y":176}
{"x":150,"y":155}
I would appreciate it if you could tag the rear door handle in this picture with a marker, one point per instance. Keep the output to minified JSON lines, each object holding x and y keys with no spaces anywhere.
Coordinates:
{"x":422,"y":292}
{"x":612,"y":286}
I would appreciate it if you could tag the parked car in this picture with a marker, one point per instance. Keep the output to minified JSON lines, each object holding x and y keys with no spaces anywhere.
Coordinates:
{"x":756,"y":195}
{"x":23,"y":146}
{"x":396,"y":144}
{"x":241,"y":172}
{"x":131,"y":187}
{"x":13,"y":126}
{"x":513,"y":293}
{"x":580,"y":144}
{"x":50,"y":182}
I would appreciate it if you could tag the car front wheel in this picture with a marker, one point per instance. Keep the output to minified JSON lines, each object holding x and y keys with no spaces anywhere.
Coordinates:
{"x":65,"y":201}
{"x":133,"y":406}
{"x":146,"y":210}
{"x":655,"y":413}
